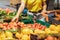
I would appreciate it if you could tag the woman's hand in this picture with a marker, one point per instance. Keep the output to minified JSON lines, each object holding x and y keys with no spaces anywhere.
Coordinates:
{"x":15,"y":18}
{"x":45,"y":15}
{"x":45,"y":11}
{"x":49,"y":11}
{"x":21,"y":8}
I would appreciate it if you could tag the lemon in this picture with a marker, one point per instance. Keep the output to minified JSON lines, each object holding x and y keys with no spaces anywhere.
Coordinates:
{"x":18,"y":35}
{"x":38,"y":31}
{"x":47,"y":30}
{"x":57,"y":29}
{"x":58,"y":26}
{"x":54,"y":32}
{"x":9,"y":34}
{"x":25,"y":37}
{"x":27,"y":31}
{"x":2,"y":36}
{"x":52,"y":27}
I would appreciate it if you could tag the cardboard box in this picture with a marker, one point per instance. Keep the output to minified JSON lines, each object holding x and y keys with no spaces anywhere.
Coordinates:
{"x":14,"y":2}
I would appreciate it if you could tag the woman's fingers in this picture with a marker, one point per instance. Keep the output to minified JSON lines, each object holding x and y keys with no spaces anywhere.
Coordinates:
{"x":15,"y":19}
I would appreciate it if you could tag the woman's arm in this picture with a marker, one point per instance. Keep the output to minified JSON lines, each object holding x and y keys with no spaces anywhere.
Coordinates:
{"x":44,"y":11}
{"x":44,"y":6}
{"x":49,"y":11}
{"x":21,"y":8}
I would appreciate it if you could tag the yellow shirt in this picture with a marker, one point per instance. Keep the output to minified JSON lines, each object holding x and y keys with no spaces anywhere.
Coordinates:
{"x":34,"y":5}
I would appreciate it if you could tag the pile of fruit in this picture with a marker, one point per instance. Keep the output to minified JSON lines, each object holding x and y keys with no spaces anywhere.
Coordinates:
{"x":21,"y":31}
{"x":7,"y":14}
{"x":12,"y":25}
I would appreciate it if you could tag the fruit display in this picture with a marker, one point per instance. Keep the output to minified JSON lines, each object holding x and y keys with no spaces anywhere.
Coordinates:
{"x":7,"y":15}
{"x":12,"y":25}
{"x":22,"y":31}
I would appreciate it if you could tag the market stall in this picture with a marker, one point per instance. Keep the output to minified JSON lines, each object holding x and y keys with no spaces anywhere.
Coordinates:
{"x":26,"y":28}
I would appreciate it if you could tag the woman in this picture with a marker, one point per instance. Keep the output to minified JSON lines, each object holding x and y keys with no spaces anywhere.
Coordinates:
{"x":35,"y":7}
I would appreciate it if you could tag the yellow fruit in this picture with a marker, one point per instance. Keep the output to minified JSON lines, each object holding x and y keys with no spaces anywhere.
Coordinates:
{"x":9,"y":34}
{"x":52,"y":27}
{"x":2,"y":36}
{"x":27,"y":31}
{"x":25,"y":37}
{"x":58,"y":26}
{"x":38,"y":31}
{"x":54,"y":32}
{"x":47,"y":30}
{"x":57,"y":29}
{"x":18,"y":35}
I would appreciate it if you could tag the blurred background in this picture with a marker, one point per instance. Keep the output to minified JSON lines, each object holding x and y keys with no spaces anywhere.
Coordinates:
{"x":6,"y":4}
{"x":52,"y":4}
